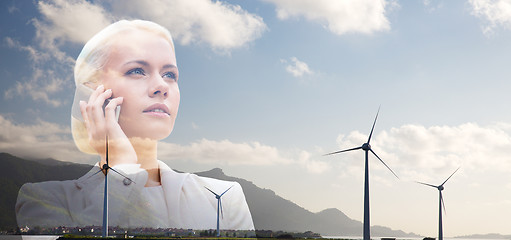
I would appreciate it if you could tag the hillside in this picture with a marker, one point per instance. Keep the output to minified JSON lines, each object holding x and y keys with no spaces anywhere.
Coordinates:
{"x":272,"y":212}
{"x":14,"y":172}
{"x":269,"y":211}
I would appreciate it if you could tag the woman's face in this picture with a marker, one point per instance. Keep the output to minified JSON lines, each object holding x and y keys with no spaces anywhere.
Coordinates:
{"x":142,"y":69}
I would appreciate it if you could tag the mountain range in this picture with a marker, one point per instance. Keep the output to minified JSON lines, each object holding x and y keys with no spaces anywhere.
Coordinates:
{"x":269,"y":211}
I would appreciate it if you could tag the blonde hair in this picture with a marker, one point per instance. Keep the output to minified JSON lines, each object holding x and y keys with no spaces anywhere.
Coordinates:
{"x":91,"y":60}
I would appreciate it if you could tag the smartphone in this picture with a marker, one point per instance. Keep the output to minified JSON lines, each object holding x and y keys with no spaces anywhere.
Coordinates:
{"x":82,"y":94}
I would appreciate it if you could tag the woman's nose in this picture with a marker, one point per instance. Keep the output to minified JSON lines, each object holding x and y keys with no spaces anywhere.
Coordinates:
{"x":160,"y":87}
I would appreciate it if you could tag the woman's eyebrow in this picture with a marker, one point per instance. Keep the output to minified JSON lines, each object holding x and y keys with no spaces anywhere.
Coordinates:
{"x":141,"y":62}
{"x":169,"y":66}
{"x":145,"y":64}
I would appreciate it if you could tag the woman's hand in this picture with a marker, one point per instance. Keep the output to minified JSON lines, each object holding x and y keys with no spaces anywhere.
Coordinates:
{"x":101,"y":124}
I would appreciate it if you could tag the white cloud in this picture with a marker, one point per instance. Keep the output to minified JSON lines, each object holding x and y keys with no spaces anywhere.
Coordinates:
{"x":297,"y":68}
{"x":69,"y":21}
{"x":36,"y":91}
{"x":223,"y":152}
{"x":39,"y":141}
{"x":494,"y":13}
{"x":340,"y":17}
{"x":34,"y":54}
{"x":431,"y":7}
{"x":418,"y":152}
{"x":62,"y":22}
{"x":221,"y":25}
{"x":49,"y":140}
{"x":44,"y":81}
{"x":226,"y":152}
{"x":11,"y":9}
{"x":313,"y":166}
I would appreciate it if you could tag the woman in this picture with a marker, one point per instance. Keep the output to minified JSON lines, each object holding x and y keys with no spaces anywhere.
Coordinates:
{"x":130,"y":64}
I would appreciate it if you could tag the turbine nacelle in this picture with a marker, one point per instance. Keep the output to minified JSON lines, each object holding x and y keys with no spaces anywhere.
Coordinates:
{"x":440,"y":188}
{"x":366,"y":146}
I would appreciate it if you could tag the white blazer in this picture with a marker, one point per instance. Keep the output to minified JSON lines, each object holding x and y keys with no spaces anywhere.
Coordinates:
{"x":80,"y":202}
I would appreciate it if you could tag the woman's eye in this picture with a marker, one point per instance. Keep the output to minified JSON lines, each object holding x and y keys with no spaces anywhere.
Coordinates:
{"x":170,"y":75}
{"x":136,"y":71}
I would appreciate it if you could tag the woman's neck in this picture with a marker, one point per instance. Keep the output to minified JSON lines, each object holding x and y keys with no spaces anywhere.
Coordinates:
{"x":147,"y":158}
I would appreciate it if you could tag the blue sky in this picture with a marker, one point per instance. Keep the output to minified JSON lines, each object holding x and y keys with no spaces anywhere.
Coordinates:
{"x":268,"y":87}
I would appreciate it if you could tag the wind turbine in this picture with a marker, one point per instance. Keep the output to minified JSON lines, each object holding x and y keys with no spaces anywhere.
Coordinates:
{"x":440,"y":204}
{"x":105,"y":169}
{"x":367,"y":148}
{"x":219,"y":208}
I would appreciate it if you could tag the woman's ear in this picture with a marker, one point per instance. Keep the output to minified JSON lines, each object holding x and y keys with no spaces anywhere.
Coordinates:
{"x":91,"y":85}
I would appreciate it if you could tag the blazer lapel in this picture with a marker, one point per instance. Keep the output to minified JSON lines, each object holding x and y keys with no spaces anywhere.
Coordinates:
{"x":172,"y":183}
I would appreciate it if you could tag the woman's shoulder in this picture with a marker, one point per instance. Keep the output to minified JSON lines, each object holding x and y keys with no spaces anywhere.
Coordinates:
{"x":48,"y":188}
{"x":46,"y":192}
{"x":43,"y":203}
{"x":238,"y":214}
{"x":210,"y":182}
{"x":188,"y":181}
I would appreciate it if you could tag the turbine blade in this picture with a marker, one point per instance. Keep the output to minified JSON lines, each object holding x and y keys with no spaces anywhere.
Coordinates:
{"x":346,"y":150}
{"x":371,"y":134}
{"x":384,"y":163}
{"x":121,"y":174}
{"x":95,"y":173}
{"x":221,"y":208}
{"x":443,"y":203}
{"x":107,"y":150}
{"x":226,"y":191}
{"x":427,"y":184}
{"x":450,"y":176}
{"x":211,"y":191}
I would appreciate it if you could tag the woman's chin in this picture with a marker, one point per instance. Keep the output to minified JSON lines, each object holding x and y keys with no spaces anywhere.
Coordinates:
{"x":150,"y":134}
{"x":154,"y":130}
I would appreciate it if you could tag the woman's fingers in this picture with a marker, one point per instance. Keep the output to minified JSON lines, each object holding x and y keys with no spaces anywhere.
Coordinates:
{"x":111,"y":117}
{"x":96,"y":107}
{"x":100,"y":89}
{"x":101,"y":121}
{"x":119,"y":146}
{"x":85,"y":116}
{"x":94,"y":118}
{"x":83,"y":111}
{"x":90,"y":109}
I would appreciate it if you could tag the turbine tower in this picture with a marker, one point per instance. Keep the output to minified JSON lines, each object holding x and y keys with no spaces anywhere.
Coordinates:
{"x":440,"y":204}
{"x":105,"y":169}
{"x":219,"y":209}
{"x":367,"y":148}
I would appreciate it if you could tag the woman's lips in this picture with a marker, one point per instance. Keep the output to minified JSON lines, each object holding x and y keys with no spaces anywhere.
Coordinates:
{"x":158,"y":110}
